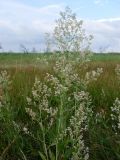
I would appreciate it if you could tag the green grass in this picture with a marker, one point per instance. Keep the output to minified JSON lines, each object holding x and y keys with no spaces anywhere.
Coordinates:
{"x":18,"y":58}
{"x":104,"y":57}
{"x":24,"y":68}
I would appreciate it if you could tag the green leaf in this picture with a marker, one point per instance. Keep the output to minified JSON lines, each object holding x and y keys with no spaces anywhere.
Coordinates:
{"x":42,"y":156}
{"x":52,"y":156}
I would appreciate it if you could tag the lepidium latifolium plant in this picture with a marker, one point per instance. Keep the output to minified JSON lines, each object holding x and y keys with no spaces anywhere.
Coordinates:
{"x":115,"y":109}
{"x":115,"y":118}
{"x":60,"y":109}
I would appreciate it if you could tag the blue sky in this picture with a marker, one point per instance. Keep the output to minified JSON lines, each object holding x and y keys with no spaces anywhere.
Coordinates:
{"x":26,"y":21}
{"x":92,"y":9}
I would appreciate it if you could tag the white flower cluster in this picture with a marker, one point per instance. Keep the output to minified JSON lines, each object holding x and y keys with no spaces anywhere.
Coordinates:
{"x":4,"y":87}
{"x":81,"y":96}
{"x":69,"y":34}
{"x":39,"y":103}
{"x":57,"y":87}
{"x":117,"y":70}
{"x":65,"y":70}
{"x":25,"y":130}
{"x":115,"y":115}
{"x":79,"y":124}
{"x":31,"y":113}
{"x":93,"y":75}
{"x":115,"y":109}
{"x":4,"y":78}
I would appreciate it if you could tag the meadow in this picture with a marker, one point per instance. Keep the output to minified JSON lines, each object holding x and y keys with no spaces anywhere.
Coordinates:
{"x":27,"y":133}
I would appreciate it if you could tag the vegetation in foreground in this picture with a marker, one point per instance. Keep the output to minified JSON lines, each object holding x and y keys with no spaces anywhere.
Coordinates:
{"x":59,"y":108}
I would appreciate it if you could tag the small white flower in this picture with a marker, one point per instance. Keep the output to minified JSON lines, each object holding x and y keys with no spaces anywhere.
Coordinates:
{"x":25,"y":129}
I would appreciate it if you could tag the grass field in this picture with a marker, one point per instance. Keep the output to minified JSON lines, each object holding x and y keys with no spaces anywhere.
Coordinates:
{"x":24,"y":68}
{"x":103,"y":143}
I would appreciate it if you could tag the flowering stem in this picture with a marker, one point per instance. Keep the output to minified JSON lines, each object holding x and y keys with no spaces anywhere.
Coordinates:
{"x":42,"y":128}
{"x":60,"y":122}
{"x":44,"y":144}
{"x":56,"y":150}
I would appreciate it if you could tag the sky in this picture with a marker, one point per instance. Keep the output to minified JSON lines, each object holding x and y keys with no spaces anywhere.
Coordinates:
{"x":26,"y":21}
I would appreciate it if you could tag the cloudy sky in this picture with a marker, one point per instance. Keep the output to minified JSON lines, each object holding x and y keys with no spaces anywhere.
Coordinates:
{"x":26,"y":21}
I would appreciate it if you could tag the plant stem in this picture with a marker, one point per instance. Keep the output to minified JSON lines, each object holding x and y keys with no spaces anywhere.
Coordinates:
{"x":7,"y":148}
{"x":44,"y":144}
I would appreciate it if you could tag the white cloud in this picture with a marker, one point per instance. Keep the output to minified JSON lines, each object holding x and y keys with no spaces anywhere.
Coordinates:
{"x":106,"y":33}
{"x":23,"y":24}
{"x":20,"y":23}
{"x":109,"y":19}
{"x":101,"y":2}
{"x":97,"y":1}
